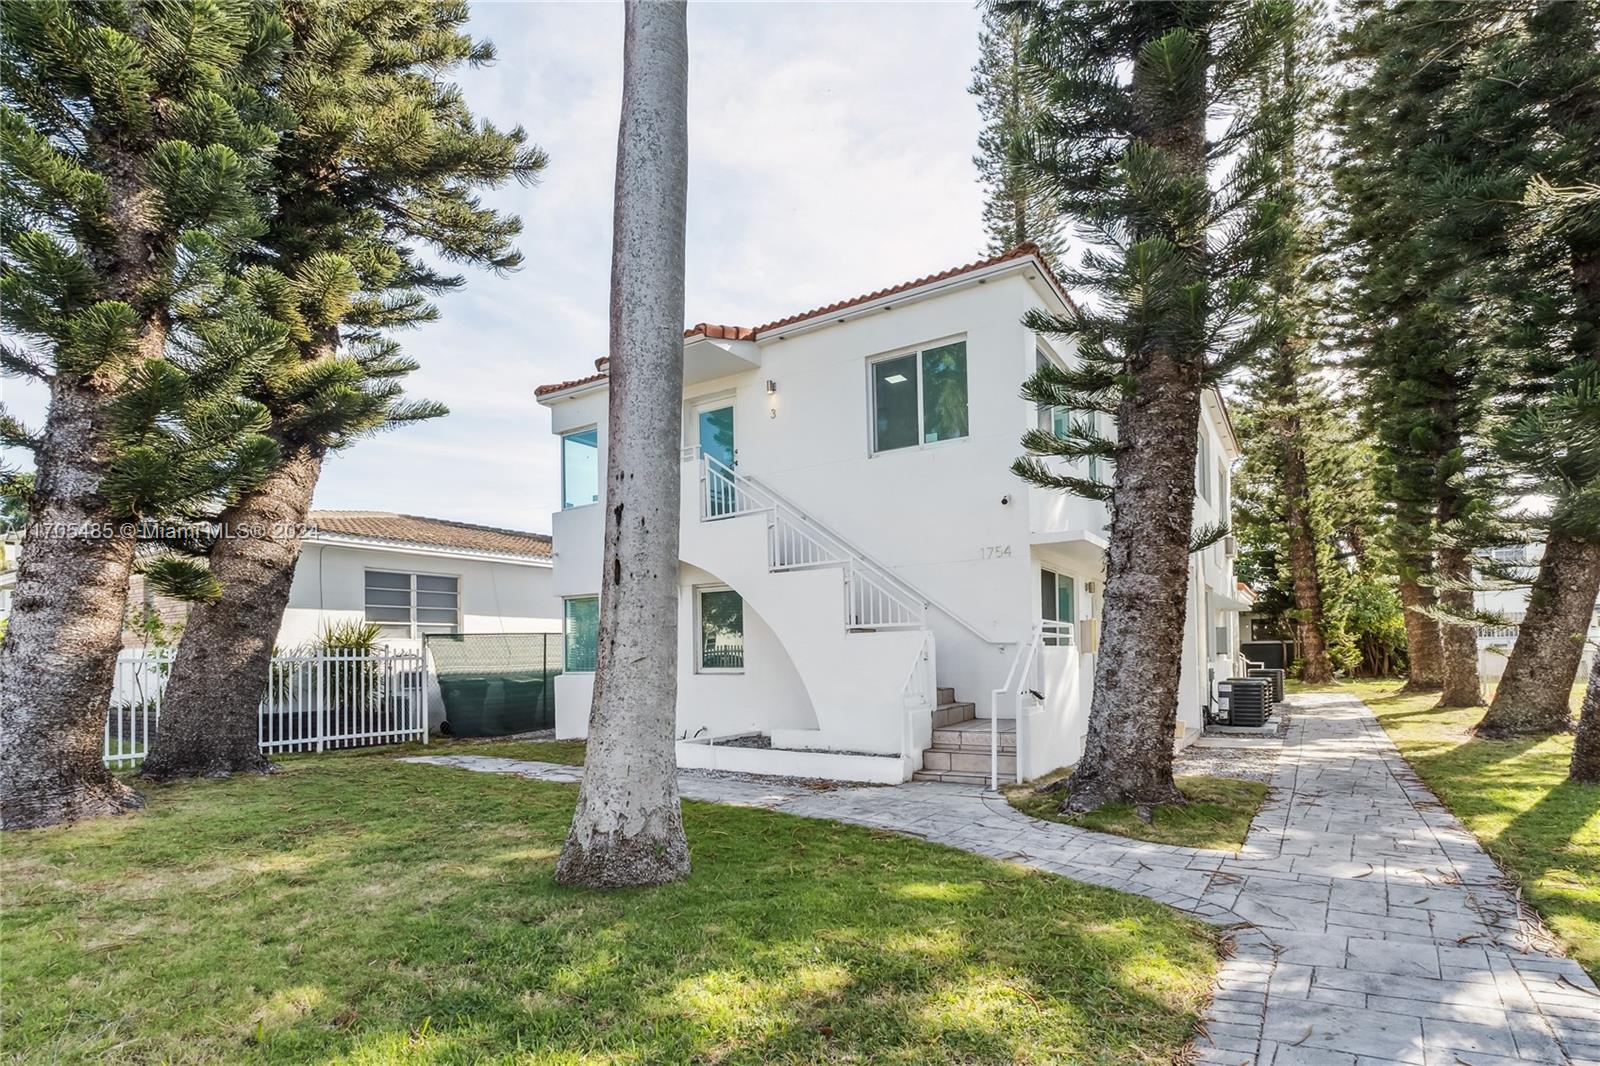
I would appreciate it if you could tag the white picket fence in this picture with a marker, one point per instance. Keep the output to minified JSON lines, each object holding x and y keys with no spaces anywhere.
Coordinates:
{"x":315,"y":701}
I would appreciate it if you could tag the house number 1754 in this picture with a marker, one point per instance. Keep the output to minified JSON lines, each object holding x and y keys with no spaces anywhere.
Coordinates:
{"x":996,"y":551}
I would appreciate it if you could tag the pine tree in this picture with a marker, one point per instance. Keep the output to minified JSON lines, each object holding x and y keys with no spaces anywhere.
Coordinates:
{"x":628,"y":826}
{"x":131,"y":138}
{"x":1421,"y":357}
{"x":1556,"y":443}
{"x":1018,"y":209}
{"x":380,"y":159}
{"x":1290,"y":435}
{"x":1534,"y":93}
{"x":1124,"y":148}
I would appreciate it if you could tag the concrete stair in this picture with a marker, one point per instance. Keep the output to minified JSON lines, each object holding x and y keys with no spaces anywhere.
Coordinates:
{"x":960,"y":751}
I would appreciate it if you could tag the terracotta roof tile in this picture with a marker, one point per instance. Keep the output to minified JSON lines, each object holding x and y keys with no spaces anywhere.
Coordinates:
{"x":562,"y":386}
{"x":748,"y":333}
{"x":433,"y":532}
{"x":721,"y":333}
{"x":1021,"y":251}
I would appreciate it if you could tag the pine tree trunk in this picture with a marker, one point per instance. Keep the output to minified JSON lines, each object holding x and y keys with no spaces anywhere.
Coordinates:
{"x":628,"y":826}
{"x":1532,"y":694}
{"x":1586,"y":745}
{"x":58,"y":659}
{"x":1316,"y":668}
{"x":1127,"y":755}
{"x":211,"y":711}
{"x":1424,"y":651}
{"x":59,"y":655}
{"x":1458,"y":642}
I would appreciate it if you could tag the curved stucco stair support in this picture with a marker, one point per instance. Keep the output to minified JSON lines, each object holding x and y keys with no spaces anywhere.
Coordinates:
{"x":854,"y":680}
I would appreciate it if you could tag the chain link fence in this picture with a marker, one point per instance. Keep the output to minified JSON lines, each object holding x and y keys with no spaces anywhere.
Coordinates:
{"x":494,"y":684}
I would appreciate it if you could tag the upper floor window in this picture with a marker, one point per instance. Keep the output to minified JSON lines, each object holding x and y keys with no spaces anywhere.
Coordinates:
{"x":580,"y":468}
{"x":1224,"y":503}
{"x":408,"y":606}
{"x":919,"y":397}
{"x":1202,"y":468}
{"x":1058,"y":420}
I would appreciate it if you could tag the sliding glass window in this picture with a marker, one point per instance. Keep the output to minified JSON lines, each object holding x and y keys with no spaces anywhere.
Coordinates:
{"x":919,"y":397}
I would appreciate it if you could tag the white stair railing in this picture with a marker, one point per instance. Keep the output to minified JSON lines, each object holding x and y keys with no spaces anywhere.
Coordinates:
{"x":1016,"y":678}
{"x":874,"y":598}
{"x":919,"y":693}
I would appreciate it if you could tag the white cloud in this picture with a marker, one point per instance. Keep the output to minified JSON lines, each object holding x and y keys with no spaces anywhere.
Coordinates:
{"x":830,"y":154}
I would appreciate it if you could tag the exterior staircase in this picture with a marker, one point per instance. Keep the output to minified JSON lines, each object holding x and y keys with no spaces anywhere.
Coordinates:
{"x":853,"y":631}
{"x":960,"y":751}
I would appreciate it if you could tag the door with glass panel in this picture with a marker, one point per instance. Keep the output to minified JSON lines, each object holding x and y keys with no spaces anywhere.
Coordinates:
{"x":1058,"y":608}
{"x":714,"y":435}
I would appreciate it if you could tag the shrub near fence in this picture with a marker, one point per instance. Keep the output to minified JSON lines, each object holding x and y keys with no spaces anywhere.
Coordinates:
{"x":314,"y":700}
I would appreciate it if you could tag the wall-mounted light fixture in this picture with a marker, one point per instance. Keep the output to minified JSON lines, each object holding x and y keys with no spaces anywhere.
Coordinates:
{"x":772,"y":387}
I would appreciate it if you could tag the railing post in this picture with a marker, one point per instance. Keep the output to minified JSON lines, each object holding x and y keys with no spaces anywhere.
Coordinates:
{"x":322,"y":700}
{"x":422,"y":680}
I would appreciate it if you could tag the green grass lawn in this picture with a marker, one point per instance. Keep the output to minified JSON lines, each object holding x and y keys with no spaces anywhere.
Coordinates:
{"x":358,"y":909}
{"x":1217,"y":816}
{"x":565,"y":752}
{"x":1514,"y":796}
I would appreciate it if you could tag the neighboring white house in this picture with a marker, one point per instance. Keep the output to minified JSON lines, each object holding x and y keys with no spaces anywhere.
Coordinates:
{"x":859,"y":565}
{"x":1510,"y":602}
{"x":413,"y":576}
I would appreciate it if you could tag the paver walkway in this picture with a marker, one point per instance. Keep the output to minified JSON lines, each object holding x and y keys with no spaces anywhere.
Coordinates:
{"x":1369,"y":926}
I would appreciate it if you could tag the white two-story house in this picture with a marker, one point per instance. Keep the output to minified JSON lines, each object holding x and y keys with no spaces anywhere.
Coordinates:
{"x":868,"y":592}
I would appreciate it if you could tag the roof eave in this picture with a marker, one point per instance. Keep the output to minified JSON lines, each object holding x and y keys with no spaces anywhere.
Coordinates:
{"x":980,"y":276}
{"x":571,"y":391}
{"x":1230,"y":435}
{"x":353,"y":540}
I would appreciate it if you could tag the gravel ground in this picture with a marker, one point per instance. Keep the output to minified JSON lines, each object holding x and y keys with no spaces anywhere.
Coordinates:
{"x":1251,"y":761}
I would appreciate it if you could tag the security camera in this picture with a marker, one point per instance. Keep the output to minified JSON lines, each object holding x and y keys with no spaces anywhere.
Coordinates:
{"x":1005,"y":501}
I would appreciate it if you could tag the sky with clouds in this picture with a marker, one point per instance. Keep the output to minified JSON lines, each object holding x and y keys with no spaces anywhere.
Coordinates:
{"x":830,"y":154}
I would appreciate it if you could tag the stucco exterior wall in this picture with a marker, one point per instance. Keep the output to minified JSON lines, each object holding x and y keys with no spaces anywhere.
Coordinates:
{"x":496,"y":596}
{"x":949,"y":518}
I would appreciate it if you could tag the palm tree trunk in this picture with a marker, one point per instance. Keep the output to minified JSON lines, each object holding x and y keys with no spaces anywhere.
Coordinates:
{"x":1586,"y":745}
{"x":1532,"y":694}
{"x":59,"y":654}
{"x":210,"y":713}
{"x":628,"y":826}
{"x":1424,"y":663}
{"x":1458,"y":641}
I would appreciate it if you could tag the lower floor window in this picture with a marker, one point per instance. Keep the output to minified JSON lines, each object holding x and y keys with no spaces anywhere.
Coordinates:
{"x":721,"y":614}
{"x":1057,"y":603}
{"x":581,"y":625}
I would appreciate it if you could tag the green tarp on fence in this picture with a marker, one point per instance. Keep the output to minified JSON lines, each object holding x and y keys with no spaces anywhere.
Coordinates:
{"x":496,"y":683}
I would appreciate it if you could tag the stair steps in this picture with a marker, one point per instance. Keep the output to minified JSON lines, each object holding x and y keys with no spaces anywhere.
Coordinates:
{"x":960,"y":751}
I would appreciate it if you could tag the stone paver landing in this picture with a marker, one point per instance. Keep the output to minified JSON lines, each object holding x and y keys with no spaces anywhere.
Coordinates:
{"x":1368,"y":925}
